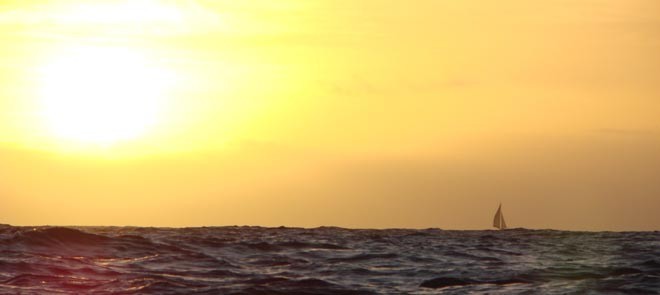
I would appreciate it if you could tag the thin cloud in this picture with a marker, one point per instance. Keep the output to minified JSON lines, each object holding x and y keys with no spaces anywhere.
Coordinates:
{"x":126,"y":16}
{"x":626,"y":132}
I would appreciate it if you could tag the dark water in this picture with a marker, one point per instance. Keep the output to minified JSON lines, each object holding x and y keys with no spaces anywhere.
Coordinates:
{"x":254,"y":260}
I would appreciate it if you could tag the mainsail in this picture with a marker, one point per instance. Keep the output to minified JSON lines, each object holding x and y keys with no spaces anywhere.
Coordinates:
{"x":498,"y":221}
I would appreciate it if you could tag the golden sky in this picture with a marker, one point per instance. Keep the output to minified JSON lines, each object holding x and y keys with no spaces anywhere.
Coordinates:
{"x":369,"y":113}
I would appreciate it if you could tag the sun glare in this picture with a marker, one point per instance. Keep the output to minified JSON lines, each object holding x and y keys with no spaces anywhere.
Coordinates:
{"x":99,"y":95}
{"x":120,"y":12}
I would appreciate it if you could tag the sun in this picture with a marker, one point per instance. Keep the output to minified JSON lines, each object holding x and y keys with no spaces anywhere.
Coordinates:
{"x":101,"y":95}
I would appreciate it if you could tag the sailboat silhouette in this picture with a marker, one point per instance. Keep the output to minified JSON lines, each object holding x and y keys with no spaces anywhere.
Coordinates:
{"x":498,"y":221}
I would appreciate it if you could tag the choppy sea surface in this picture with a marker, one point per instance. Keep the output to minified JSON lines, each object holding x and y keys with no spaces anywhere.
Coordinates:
{"x":326,"y":260}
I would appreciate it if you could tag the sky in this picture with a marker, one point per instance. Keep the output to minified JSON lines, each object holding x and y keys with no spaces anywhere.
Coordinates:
{"x":361,"y":114}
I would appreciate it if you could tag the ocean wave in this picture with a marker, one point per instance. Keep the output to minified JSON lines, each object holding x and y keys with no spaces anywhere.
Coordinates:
{"x":325,"y":260}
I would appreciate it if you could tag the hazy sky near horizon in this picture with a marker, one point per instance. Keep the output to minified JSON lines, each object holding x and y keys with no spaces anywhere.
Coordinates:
{"x":366,"y":113}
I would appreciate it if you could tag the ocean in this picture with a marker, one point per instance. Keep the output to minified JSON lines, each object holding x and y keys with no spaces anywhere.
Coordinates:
{"x":325,"y":260}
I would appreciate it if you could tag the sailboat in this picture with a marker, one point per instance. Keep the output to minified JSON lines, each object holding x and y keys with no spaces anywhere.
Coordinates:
{"x":498,"y":221}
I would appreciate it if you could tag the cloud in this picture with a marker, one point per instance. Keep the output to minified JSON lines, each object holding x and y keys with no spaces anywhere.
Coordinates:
{"x":125,"y":17}
{"x":358,"y":85}
{"x":626,"y":132}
